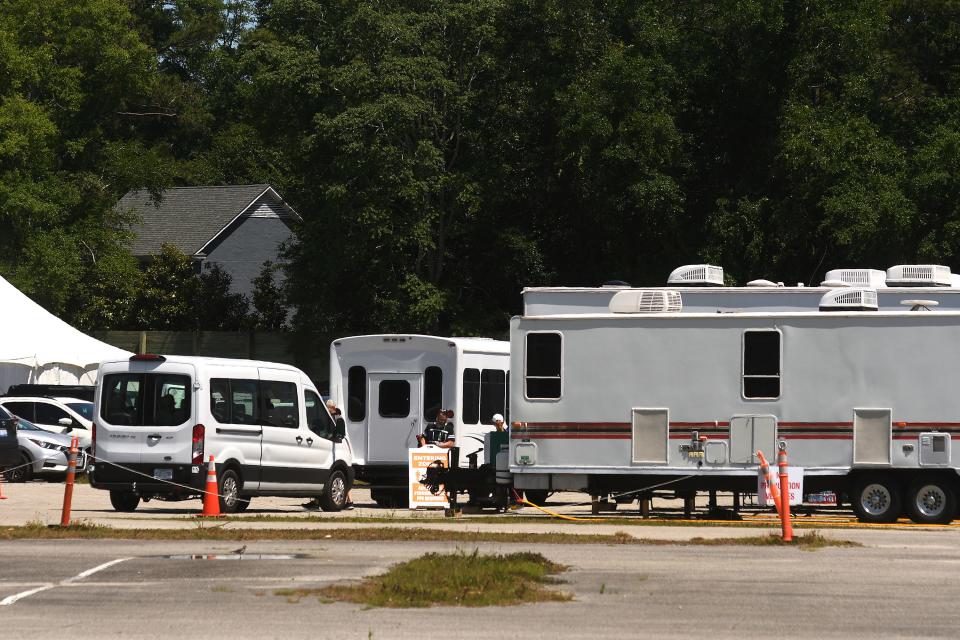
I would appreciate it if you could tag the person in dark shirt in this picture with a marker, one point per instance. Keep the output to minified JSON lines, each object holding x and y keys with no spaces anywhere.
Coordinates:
{"x":441,"y":432}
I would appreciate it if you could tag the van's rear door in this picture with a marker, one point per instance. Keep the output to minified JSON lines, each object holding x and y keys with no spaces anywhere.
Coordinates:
{"x":146,"y":414}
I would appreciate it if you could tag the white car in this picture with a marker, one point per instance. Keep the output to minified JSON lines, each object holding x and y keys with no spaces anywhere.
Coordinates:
{"x":42,"y":453}
{"x":59,"y":415}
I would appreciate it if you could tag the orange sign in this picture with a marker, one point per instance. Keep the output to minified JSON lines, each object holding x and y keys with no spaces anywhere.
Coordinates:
{"x":419,"y":460}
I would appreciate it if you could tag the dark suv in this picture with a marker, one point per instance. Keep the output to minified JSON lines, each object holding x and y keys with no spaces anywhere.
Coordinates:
{"x":9,"y":446}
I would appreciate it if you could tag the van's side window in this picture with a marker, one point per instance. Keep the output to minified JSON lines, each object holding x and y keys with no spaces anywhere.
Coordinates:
{"x":356,"y":394}
{"x":543,"y":365}
{"x":244,"y":402}
{"x":279,"y":405}
{"x":761,"y":364}
{"x":219,"y":398}
{"x":318,"y":420}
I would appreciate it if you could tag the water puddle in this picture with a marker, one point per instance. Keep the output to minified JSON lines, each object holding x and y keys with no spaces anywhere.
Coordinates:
{"x":236,"y":556}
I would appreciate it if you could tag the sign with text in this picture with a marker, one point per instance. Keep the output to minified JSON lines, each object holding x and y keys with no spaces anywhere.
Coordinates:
{"x":419,"y":459}
{"x":764,"y":499}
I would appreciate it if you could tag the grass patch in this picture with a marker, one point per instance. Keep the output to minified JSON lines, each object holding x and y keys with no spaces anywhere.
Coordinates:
{"x":38,"y":530}
{"x":810,"y":541}
{"x":457,"y":579}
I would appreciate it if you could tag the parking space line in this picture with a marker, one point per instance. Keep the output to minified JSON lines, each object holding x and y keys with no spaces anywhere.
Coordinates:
{"x":80,"y":576}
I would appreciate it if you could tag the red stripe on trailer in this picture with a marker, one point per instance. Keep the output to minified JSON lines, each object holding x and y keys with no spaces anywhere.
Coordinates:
{"x":709,"y":423}
{"x":574,"y":436}
{"x":818,"y":425}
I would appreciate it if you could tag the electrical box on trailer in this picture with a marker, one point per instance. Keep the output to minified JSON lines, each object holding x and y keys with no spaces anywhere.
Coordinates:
{"x":934,"y":449}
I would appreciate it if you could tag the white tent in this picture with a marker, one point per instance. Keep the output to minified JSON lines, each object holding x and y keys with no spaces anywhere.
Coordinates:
{"x":36,"y":346}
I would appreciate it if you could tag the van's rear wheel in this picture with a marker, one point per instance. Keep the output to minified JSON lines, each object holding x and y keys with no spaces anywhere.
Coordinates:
{"x":931,"y":501}
{"x":876,"y":499}
{"x":124,"y":501}
{"x":229,"y":492}
{"x":334,"y":496}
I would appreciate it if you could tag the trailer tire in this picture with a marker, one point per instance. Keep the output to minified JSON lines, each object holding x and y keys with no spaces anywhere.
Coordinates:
{"x":931,"y":501}
{"x":876,"y":499}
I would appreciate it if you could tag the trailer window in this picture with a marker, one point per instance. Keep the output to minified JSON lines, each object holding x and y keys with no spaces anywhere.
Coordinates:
{"x":543,"y":358}
{"x":394,"y":399}
{"x":432,"y":392}
{"x":471,"y":396}
{"x":493,"y":386}
{"x":356,"y":394}
{"x":761,"y":364}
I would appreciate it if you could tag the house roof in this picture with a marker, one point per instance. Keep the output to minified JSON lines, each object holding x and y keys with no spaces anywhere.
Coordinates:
{"x":189,"y":217}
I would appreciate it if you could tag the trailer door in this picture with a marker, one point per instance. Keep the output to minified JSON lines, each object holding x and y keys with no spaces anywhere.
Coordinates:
{"x":394,"y":418}
{"x":750,"y":433}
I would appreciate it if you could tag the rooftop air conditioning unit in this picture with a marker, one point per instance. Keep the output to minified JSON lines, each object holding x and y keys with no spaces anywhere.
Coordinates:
{"x":697,"y":275}
{"x":646,"y":301}
{"x":871,"y":278}
{"x":852,"y":299}
{"x":919,"y":275}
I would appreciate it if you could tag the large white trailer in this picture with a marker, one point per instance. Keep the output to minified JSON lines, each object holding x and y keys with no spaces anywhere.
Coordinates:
{"x":390,"y":387}
{"x":633,"y":395}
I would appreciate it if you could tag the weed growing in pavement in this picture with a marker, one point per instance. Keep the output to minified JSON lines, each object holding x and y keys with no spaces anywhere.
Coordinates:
{"x":454,"y":579}
{"x":810,"y":541}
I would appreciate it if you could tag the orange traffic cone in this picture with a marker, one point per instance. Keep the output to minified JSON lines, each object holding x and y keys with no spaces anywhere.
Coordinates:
{"x":211,"y":499}
{"x":2,"y":497}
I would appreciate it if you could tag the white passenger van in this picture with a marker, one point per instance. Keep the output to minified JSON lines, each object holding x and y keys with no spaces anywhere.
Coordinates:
{"x":158,"y":419}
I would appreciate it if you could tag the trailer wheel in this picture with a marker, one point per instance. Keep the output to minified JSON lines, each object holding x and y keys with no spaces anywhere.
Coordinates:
{"x":931,"y":501}
{"x":876,"y":499}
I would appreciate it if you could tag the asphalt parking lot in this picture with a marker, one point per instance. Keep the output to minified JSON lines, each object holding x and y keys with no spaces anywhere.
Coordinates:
{"x":900,"y":583}
{"x":196,"y":589}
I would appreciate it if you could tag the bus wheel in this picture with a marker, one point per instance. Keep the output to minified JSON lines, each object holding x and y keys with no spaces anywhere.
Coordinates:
{"x":930,"y":501}
{"x":876,"y":499}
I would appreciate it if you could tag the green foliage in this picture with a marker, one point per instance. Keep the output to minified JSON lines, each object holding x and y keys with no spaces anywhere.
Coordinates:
{"x":445,"y":154}
{"x":171,"y":297}
{"x":455,"y":579}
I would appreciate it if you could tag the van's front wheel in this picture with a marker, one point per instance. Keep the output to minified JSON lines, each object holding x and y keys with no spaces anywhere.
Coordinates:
{"x":334,"y":497}
{"x":229,"y":492}
{"x":124,"y":501}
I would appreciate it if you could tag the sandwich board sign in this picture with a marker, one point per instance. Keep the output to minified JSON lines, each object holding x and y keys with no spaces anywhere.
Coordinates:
{"x":419,"y":459}
{"x":795,"y":479}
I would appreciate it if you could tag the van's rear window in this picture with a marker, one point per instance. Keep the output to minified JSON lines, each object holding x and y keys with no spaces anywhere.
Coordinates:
{"x":145,"y":399}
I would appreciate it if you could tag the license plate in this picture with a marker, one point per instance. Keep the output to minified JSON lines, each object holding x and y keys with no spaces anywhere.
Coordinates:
{"x":163,"y":474}
{"x":3,"y":433}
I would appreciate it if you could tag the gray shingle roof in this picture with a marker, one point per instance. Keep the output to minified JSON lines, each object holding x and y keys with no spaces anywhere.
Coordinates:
{"x":187,"y":217}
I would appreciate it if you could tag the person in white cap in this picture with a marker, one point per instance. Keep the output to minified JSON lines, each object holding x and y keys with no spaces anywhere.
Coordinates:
{"x":498,"y":422}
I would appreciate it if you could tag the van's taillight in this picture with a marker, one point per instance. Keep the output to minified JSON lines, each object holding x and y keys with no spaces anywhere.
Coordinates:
{"x":146,"y":357}
{"x":197,"y":450}
{"x":93,"y":439}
